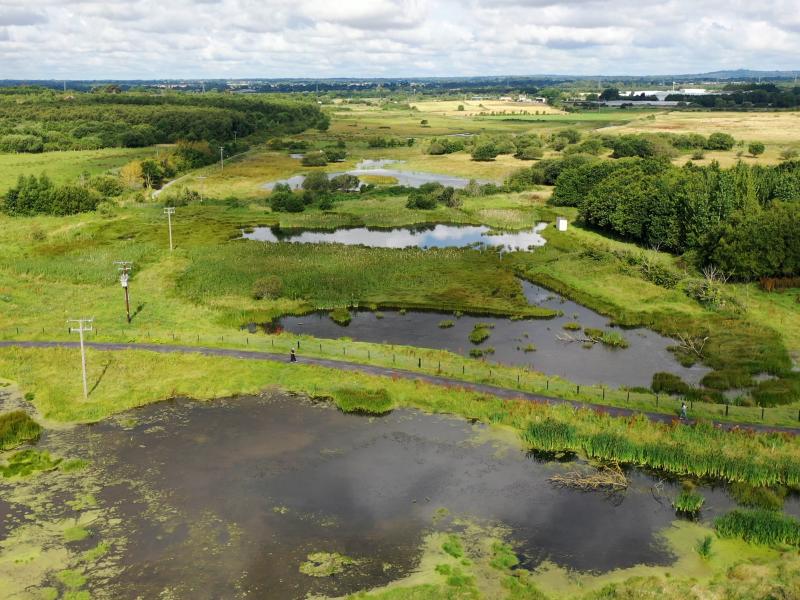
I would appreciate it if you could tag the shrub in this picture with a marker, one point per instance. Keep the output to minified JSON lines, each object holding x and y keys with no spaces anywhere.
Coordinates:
{"x":758,"y":496}
{"x":756,"y":148}
{"x":315,"y":159}
{"x":446,"y":324}
{"x":669,"y":383}
{"x":529,"y":153}
{"x":485,"y":152}
{"x":775,"y":392}
{"x":720,"y":141}
{"x":572,"y":326}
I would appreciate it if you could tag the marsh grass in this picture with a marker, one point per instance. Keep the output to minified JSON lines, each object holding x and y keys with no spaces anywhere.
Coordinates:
{"x":699,"y":450}
{"x":17,"y":428}
{"x":688,"y":502}
{"x":479,"y":333}
{"x":363,"y":401}
{"x":341,"y":316}
{"x":26,"y":462}
{"x":759,"y":527}
{"x":452,"y":546}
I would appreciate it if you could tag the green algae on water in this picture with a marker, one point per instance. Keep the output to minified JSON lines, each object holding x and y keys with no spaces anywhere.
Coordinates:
{"x":326,"y":564}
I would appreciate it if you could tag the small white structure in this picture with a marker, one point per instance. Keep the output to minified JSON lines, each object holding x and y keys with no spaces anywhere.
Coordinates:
{"x":561,"y":223}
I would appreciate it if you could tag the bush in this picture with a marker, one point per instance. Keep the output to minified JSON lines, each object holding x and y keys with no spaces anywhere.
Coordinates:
{"x":756,"y":148}
{"x":315,"y":159}
{"x":669,"y":383}
{"x":317,"y":182}
{"x":529,"y":153}
{"x":484,"y":152}
{"x":720,"y":141}
{"x":15,"y":142}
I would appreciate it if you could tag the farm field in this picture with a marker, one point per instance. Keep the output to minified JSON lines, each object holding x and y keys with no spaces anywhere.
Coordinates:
{"x":243,"y":455}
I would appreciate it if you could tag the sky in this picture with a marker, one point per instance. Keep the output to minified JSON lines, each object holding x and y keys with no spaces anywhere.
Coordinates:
{"x":147,"y":39}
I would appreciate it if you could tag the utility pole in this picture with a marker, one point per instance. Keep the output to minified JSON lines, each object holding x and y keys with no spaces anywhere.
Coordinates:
{"x":125,"y":267}
{"x":221,"y":158}
{"x":169,"y":211}
{"x":202,"y":179}
{"x":84,"y":325}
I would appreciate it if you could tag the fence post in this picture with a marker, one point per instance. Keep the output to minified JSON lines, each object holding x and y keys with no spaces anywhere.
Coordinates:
{"x":762,"y":413}
{"x":726,"y":409}
{"x":419,"y":363}
{"x":369,"y":354}
{"x":547,"y":384}
{"x":440,"y":365}
{"x":604,"y":393}
{"x":320,"y":347}
{"x":298,"y":344}
{"x":656,"y":400}
{"x":579,"y":389}
{"x":517,"y":379}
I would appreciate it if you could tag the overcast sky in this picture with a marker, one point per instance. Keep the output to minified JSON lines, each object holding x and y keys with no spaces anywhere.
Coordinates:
{"x":131,"y":39}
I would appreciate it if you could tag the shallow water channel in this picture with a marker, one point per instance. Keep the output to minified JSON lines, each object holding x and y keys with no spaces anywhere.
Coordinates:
{"x":378,"y":168}
{"x":227,"y":498}
{"x":422,"y":236}
{"x":633,"y":366}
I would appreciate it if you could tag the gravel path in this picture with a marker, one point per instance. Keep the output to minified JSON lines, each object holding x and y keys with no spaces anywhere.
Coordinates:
{"x":343,"y":365}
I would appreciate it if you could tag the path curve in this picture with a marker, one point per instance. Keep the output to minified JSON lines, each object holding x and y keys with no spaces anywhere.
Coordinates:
{"x":343,"y":365}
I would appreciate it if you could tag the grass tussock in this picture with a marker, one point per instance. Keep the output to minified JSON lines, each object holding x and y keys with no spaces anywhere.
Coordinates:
{"x":363,"y":401}
{"x":17,"y":428}
{"x":688,"y":502}
{"x":759,"y":527}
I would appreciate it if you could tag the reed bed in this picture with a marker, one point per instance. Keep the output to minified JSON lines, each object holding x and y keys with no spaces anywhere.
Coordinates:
{"x":759,"y":527}
{"x":700,"y":450}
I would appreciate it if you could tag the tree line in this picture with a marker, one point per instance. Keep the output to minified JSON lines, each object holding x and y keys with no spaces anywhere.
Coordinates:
{"x":47,"y":122}
{"x":744,"y":220}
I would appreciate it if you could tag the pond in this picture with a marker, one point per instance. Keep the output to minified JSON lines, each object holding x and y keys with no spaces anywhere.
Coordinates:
{"x":204,"y":500}
{"x":424,"y":236}
{"x":557,"y":350}
{"x":378,"y":167}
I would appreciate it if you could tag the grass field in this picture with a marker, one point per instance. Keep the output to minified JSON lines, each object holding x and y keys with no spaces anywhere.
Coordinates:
{"x":63,"y":167}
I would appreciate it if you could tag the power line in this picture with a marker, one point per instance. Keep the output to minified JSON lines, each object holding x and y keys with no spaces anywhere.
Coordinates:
{"x":84,"y":325}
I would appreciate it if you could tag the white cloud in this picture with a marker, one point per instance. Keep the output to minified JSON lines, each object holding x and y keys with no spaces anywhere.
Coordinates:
{"x":87,"y":39}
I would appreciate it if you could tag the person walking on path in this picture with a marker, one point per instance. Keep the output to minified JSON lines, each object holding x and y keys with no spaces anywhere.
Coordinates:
{"x":683,"y":411}
{"x":292,"y":356}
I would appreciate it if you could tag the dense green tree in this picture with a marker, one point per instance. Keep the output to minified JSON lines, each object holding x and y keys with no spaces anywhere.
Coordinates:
{"x":756,"y":148}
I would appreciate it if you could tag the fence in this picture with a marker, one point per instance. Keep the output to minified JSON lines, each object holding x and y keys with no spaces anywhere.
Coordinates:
{"x":433,"y":362}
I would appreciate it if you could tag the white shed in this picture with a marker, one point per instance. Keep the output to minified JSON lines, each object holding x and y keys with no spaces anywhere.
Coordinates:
{"x":561,"y":223}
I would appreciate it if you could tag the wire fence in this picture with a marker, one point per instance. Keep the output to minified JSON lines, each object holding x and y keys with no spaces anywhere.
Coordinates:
{"x":434,"y":362}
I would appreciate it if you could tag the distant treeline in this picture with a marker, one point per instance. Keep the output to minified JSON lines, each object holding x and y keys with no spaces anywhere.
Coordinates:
{"x":45,"y":121}
{"x":744,"y":220}
{"x":746,"y":96}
